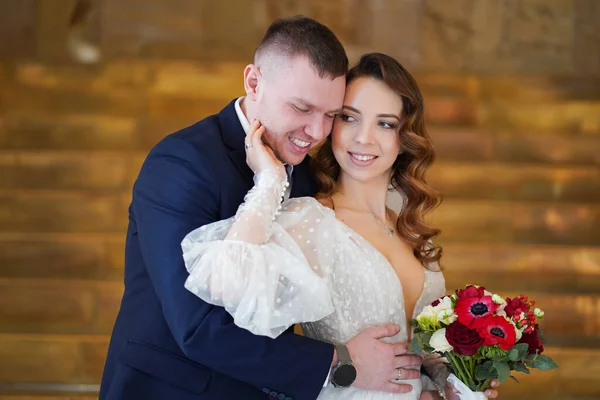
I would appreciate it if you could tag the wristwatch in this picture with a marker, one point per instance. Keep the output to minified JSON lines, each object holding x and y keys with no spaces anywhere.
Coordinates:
{"x":344,"y":373}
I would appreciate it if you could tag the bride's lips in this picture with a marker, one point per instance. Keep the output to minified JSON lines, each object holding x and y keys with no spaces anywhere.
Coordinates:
{"x":362,"y":160}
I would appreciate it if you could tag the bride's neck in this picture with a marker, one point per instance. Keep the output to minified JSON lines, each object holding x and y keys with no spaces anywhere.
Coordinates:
{"x":362,"y":196}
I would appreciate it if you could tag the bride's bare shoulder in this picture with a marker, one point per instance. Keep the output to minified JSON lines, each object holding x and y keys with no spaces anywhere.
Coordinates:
{"x":308,"y":205}
{"x":325,"y":201}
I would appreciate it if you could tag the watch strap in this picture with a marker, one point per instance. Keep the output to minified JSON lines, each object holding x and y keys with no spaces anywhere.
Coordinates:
{"x":343,"y":354}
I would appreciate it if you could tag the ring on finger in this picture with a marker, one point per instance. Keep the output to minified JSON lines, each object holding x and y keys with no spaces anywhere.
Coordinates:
{"x":400,"y":373}
{"x":248,"y":146}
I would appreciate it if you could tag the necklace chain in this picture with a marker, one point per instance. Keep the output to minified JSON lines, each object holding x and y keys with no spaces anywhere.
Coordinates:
{"x":389,"y":230}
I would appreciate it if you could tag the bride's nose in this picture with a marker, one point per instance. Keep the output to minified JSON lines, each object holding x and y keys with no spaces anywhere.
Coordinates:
{"x":364,"y":135}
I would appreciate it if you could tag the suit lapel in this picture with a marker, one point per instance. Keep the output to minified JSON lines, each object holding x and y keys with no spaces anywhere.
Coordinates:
{"x":239,"y":159}
{"x":233,"y":136}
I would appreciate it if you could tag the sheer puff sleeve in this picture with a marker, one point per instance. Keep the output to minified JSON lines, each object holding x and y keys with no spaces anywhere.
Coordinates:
{"x":267,"y":265}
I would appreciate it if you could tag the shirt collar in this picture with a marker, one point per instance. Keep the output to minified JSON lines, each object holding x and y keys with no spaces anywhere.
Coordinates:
{"x":241,"y":116}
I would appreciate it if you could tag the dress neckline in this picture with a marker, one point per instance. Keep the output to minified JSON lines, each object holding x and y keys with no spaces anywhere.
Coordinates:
{"x":385,"y":260}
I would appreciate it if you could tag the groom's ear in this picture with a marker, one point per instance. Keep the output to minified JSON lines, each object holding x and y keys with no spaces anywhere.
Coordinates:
{"x":252,"y":78}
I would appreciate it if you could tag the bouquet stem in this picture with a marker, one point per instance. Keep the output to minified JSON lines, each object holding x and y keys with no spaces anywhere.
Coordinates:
{"x":459,"y":368}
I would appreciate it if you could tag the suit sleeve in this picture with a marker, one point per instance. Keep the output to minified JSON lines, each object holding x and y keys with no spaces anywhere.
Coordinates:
{"x":176,"y":193}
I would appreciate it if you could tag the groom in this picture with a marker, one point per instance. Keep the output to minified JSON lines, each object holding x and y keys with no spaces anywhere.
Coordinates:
{"x":167,"y":343}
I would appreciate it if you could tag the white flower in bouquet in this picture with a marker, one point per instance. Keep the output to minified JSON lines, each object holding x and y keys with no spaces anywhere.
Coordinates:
{"x":439,"y":342}
{"x":445,"y":311}
{"x":499,"y":300}
{"x":428,"y":318}
{"x":518,"y":331}
{"x":538,"y":313}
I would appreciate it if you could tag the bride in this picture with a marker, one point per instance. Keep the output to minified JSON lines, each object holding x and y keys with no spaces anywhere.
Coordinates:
{"x":344,"y":261}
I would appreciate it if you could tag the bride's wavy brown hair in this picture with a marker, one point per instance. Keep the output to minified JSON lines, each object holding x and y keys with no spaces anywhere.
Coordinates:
{"x":408,"y":171}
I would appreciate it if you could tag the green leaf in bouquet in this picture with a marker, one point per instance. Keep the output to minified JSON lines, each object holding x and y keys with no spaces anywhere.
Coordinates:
{"x":424,"y":339}
{"x":530,"y":359}
{"x":503,"y":371}
{"x":414,"y":322}
{"x":492,"y":351}
{"x":426,"y":336}
{"x":486,"y":371}
{"x":518,"y":352}
{"x":543,"y":362}
{"x":520,"y":367}
{"x":514,"y":379}
{"x":471,"y":383}
{"x":482,"y":386}
{"x":420,"y":342}
{"x":415,"y":345}
{"x":513,"y":354}
{"x":522,"y":349}
{"x":500,"y":358}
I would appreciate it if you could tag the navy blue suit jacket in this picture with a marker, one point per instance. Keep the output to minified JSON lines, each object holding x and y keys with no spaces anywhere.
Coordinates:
{"x":167,"y":343}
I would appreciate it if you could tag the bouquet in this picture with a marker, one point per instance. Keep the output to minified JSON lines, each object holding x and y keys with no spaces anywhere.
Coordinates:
{"x":482,"y":336}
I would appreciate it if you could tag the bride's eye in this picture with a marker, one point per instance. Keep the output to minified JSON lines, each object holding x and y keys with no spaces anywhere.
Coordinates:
{"x":387,"y":125}
{"x":347,"y":118}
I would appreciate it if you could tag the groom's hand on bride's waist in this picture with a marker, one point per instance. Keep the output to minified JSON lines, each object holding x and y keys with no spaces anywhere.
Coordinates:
{"x":378,"y":363}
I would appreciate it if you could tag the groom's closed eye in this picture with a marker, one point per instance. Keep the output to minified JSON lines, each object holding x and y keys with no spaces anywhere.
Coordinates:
{"x":301,"y":110}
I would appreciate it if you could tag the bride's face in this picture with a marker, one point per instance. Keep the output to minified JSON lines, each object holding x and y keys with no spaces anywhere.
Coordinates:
{"x":365,"y":136}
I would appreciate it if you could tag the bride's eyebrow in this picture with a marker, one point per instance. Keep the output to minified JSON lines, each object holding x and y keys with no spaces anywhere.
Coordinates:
{"x":388,"y":116}
{"x":378,"y":115}
{"x":344,"y":107}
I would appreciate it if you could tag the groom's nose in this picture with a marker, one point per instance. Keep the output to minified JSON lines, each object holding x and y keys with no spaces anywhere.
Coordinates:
{"x":318,"y":128}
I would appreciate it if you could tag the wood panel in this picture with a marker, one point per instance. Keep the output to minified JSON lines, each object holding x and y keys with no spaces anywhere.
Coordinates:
{"x":63,"y":170}
{"x":518,"y":222}
{"x":73,"y":358}
{"x":72,"y":131}
{"x":513,"y":147}
{"x":62,"y":212}
{"x":65,"y":257}
{"x":518,"y":267}
{"x":64,"y":306}
{"x":527,"y":182}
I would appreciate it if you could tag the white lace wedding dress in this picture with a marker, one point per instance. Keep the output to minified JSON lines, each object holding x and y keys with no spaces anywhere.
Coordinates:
{"x":302,"y":265}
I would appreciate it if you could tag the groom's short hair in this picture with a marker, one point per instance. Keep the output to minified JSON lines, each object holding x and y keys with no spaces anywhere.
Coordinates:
{"x":303,"y":36}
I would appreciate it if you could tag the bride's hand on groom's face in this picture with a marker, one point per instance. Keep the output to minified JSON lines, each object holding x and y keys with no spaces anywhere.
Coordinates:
{"x":259,"y":156}
{"x":378,"y":363}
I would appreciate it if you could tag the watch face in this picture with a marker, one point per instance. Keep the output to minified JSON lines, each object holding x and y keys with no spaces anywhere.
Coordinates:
{"x":344,"y":375}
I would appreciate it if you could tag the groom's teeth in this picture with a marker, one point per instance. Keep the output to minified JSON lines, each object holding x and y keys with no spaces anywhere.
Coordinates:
{"x":299,"y":143}
{"x":362,"y":158}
